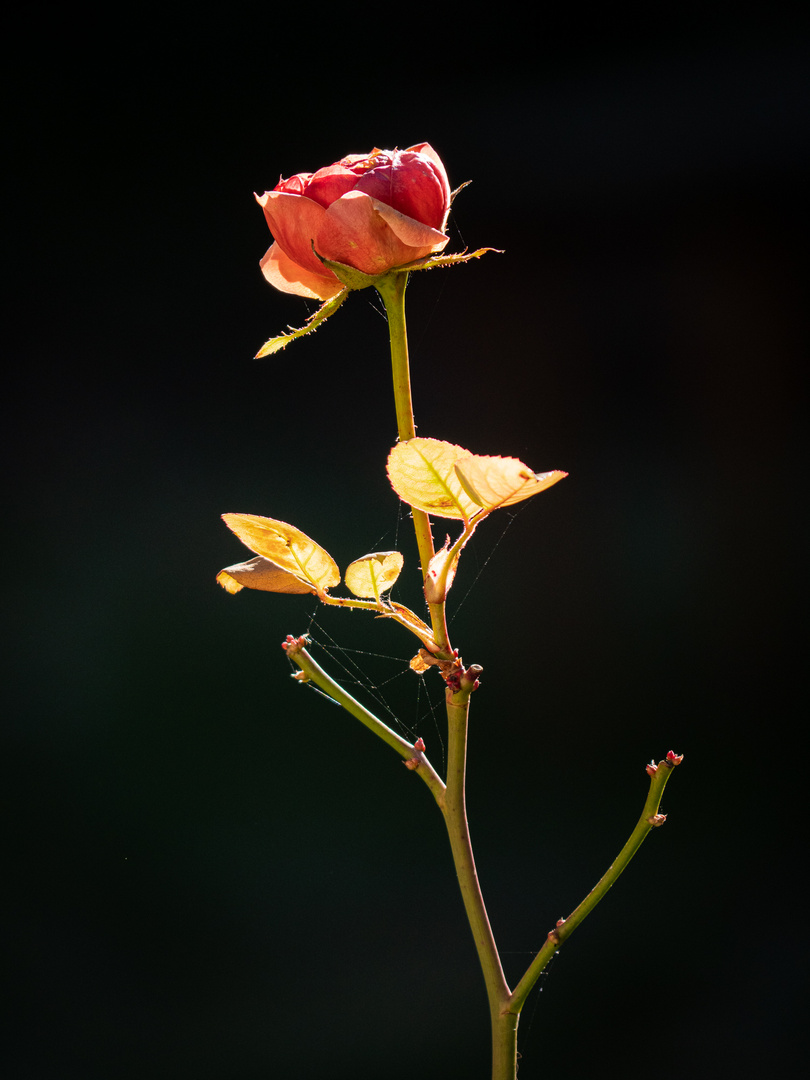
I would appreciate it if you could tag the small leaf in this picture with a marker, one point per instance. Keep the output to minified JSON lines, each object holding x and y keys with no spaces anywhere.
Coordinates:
{"x":422,"y":473}
{"x":261,"y":574}
{"x":434,"y":261}
{"x":286,"y":547}
{"x":275,"y":344}
{"x":374,"y":574}
{"x":419,"y":664}
{"x":440,"y":575}
{"x":412,"y":621}
{"x":495,"y":481}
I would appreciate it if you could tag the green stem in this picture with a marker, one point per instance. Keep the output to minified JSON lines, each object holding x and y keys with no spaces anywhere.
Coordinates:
{"x":504,"y":1025}
{"x":454,"y":808}
{"x":416,"y":758}
{"x":650,"y":819}
{"x":391,"y":288}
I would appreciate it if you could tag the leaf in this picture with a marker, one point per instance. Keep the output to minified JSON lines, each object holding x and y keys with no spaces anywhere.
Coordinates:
{"x":413,"y":622}
{"x":440,"y":575}
{"x":434,"y":261}
{"x":287,"y":547}
{"x":373,"y":574}
{"x":275,"y":344}
{"x":495,"y":481}
{"x":422,"y":473}
{"x":419,"y":664}
{"x":260,"y":573}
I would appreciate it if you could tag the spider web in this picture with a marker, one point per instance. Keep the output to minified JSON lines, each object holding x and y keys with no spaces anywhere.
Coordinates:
{"x":410,"y":703}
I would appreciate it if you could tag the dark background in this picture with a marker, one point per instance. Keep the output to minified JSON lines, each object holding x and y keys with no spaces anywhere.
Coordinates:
{"x":213,"y":873}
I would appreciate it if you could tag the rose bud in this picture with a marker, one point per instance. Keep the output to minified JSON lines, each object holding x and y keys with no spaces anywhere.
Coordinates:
{"x":372,"y":212}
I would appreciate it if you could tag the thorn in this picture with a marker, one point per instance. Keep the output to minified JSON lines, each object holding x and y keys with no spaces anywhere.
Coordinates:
{"x":656,"y":820}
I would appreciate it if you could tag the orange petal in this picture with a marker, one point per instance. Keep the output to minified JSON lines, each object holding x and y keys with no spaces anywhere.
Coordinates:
{"x":287,"y":276}
{"x":294,"y":222}
{"x":359,"y":231}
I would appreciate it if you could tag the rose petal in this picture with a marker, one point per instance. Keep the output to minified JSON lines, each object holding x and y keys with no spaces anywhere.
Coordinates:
{"x":409,"y":183}
{"x":426,"y":150}
{"x":294,"y":222}
{"x":327,"y":185}
{"x":287,"y":276}
{"x":295,"y":185}
{"x":370,"y":236}
{"x":411,"y":232}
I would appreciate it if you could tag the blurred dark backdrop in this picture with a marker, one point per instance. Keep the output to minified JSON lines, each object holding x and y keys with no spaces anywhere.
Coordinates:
{"x":215,"y":874}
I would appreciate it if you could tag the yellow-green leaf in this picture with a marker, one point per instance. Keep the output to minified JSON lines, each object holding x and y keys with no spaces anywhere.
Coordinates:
{"x":495,"y":481}
{"x":275,"y":344}
{"x":287,"y":547}
{"x":422,"y":473}
{"x":374,"y":574}
{"x":260,"y":573}
{"x":441,"y":571}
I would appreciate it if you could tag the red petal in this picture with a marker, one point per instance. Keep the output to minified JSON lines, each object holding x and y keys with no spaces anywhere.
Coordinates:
{"x":411,"y":184}
{"x":412,"y":232}
{"x":327,"y":185}
{"x":372,"y":237}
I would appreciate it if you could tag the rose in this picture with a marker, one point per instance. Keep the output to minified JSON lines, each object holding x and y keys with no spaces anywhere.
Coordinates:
{"x":373,"y":212}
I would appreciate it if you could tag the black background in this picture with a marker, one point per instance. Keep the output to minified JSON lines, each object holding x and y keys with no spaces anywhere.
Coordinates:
{"x":212,"y":872}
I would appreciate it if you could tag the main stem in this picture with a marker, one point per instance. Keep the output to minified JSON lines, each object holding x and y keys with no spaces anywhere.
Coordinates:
{"x":392,"y":290}
{"x":503,"y":1021}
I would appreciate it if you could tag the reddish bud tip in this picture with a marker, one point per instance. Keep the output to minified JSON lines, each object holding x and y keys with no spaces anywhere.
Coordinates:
{"x":294,"y":642}
{"x":673,"y":758}
{"x":657,"y":819}
{"x":560,"y":922}
{"x":419,"y":745}
{"x":411,"y":763}
{"x":652,"y":768}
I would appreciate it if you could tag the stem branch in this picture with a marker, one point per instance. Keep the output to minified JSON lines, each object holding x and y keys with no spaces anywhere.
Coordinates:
{"x":650,"y":819}
{"x":315,"y":673}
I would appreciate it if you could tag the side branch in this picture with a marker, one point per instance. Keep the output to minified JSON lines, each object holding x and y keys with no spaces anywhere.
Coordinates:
{"x":650,"y":819}
{"x":413,"y":754}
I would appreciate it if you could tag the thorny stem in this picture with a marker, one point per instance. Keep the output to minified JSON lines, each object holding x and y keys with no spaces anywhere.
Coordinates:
{"x":391,"y":288}
{"x":313,"y":672}
{"x":504,"y":1005}
{"x":455,"y":816}
{"x":650,"y":819}
{"x":454,"y":808}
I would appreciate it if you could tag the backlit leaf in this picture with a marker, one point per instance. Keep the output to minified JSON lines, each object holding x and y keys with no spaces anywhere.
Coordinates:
{"x":419,"y":664}
{"x":374,"y":574}
{"x":260,"y":573}
{"x":275,"y":344}
{"x":287,"y":547}
{"x":441,"y":571}
{"x":422,"y":473}
{"x":495,"y":481}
